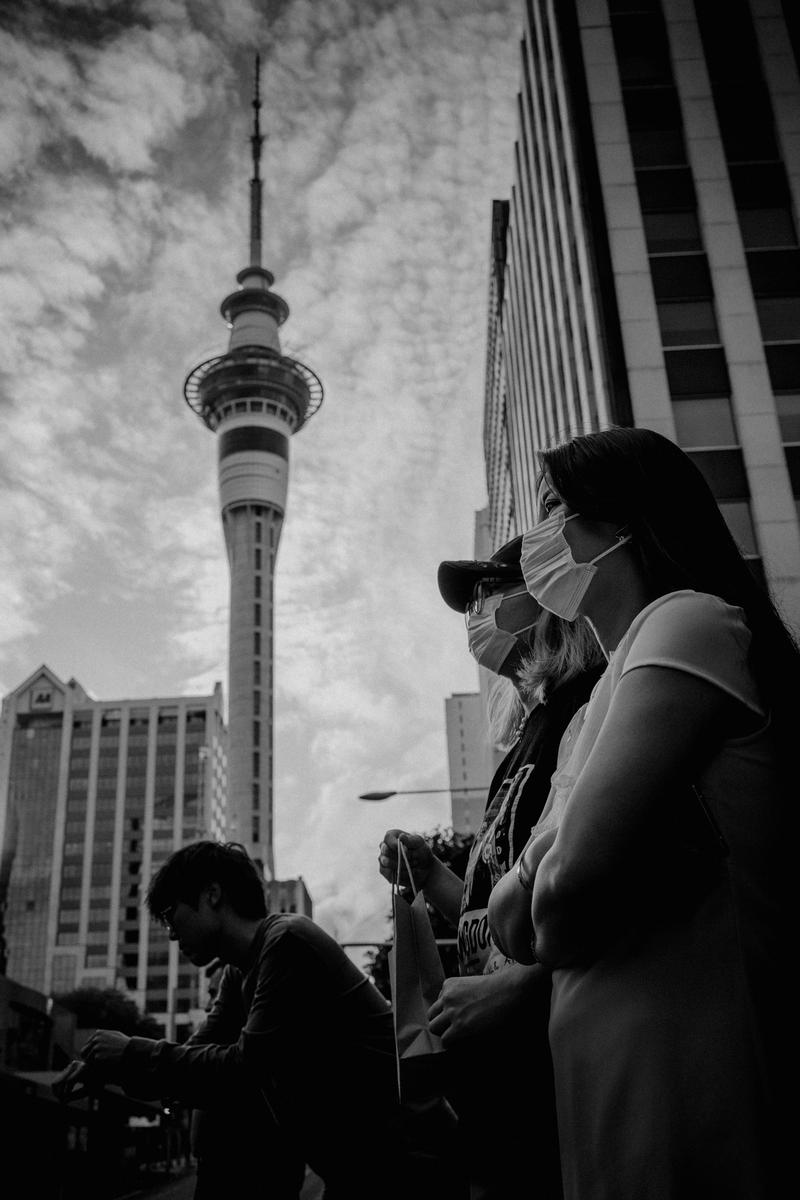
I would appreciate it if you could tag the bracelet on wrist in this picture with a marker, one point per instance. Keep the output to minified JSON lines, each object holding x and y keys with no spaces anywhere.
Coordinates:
{"x":523,"y":876}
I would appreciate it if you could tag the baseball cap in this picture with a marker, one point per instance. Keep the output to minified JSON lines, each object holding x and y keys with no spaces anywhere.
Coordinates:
{"x":457,"y":577}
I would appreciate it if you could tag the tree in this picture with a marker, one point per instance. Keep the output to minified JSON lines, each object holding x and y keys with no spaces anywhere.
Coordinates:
{"x":453,"y":850}
{"x":108,"y":1008}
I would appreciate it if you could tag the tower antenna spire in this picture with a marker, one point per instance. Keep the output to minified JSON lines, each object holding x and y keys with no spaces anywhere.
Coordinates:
{"x":256,"y":141}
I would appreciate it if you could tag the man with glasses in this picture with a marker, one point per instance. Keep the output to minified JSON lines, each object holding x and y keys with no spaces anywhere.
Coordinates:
{"x":494,"y":1015}
{"x":313,"y":1039}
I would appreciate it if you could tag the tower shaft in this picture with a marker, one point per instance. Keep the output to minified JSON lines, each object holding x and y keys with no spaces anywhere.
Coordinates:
{"x":254,"y":398}
{"x":252,"y":532}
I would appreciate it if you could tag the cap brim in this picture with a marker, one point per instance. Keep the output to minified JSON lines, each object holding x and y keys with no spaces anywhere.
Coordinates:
{"x":457,"y":578}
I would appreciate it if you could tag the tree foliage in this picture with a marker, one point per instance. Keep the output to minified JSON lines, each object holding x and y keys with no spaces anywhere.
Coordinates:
{"x":453,"y":850}
{"x":108,"y":1008}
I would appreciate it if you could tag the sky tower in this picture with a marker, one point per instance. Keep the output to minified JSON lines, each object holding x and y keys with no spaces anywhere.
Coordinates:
{"x":254,"y":398}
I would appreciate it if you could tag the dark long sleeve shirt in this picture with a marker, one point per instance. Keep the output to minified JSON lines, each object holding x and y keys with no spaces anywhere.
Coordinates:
{"x":316,"y":1040}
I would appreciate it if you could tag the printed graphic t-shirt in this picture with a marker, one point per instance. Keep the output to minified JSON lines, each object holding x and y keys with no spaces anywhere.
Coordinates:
{"x":516,"y":797}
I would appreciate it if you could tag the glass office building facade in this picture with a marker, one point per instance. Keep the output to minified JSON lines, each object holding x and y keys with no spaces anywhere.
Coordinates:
{"x":646,"y":267}
{"x":94,"y":795}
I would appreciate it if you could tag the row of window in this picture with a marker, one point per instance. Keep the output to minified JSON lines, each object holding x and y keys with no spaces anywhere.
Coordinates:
{"x":742,"y":102}
{"x":695,"y":361}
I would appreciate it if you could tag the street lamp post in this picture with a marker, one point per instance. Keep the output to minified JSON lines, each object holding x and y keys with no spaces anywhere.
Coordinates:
{"x":419,"y":792}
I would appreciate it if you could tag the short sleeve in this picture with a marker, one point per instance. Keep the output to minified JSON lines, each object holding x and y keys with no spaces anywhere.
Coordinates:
{"x":701,"y":635}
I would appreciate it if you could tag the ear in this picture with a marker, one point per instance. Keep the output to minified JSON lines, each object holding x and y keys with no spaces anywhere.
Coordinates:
{"x":214,"y":893}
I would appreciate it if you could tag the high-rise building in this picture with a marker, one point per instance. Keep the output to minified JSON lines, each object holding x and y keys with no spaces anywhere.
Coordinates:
{"x":646,"y":267}
{"x":470,"y":759}
{"x":94,"y":795}
{"x":254,"y":398}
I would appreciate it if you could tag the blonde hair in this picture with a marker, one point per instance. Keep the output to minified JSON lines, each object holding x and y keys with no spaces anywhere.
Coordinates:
{"x":561,"y":650}
{"x":505,"y":711}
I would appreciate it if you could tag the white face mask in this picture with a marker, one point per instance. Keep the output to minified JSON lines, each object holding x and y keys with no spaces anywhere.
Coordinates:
{"x":488,"y":645}
{"x":551,"y":574}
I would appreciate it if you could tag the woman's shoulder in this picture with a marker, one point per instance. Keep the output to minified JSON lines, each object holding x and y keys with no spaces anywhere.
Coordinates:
{"x":697,"y":633}
{"x":687,"y":616}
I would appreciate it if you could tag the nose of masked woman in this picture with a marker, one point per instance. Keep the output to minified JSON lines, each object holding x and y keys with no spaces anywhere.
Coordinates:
{"x":551,"y":573}
{"x":500,"y":627}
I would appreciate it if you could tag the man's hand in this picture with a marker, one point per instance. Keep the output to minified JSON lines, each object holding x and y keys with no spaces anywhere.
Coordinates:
{"x":72,"y":1083}
{"x":103,"y":1053}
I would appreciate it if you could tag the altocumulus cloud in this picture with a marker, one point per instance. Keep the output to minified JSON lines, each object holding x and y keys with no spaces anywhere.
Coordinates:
{"x":123,"y":144}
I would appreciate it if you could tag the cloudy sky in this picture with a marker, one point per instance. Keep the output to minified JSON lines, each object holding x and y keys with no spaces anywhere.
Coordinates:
{"x":124,"y":161}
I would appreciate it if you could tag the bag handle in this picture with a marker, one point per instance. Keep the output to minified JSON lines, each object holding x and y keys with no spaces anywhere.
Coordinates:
{"x":407,"y":866}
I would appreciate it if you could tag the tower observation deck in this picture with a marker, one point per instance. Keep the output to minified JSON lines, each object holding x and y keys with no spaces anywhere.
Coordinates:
{"x":254,"y":398}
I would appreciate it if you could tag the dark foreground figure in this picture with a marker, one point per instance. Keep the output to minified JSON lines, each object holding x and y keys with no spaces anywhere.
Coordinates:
{"x":316,"y":1040}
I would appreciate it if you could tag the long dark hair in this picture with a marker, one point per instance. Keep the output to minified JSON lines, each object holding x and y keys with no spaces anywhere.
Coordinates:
{"x":640,"y":479}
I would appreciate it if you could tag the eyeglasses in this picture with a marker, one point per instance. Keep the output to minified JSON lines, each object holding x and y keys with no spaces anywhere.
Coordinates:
{"x":490,"y":587}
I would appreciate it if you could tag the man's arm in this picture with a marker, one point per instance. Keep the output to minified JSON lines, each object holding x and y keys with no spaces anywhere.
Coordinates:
{"x":199,"y":1074}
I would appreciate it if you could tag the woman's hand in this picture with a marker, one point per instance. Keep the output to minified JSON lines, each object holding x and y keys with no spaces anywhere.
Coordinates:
{"x":469,"y":1005}
{"x":418,"y":852}
{"x":509,"y":912}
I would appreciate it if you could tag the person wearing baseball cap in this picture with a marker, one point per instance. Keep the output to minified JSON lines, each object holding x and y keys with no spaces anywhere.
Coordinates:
{"x":495,"y":1012}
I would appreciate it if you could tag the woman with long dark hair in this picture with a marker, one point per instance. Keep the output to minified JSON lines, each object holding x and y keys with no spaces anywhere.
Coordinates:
{"x":654,"y":884}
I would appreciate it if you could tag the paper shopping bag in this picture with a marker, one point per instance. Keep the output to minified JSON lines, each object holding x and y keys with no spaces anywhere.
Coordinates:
{"x":416,"y":976}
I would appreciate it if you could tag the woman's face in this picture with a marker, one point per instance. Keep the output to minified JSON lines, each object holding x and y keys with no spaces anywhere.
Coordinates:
{"x":585,"y":537}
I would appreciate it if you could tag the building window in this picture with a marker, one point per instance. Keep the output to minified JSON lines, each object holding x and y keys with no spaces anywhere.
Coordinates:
{"x":688,"y":323}
{"x":642,"y":50}
{"x":257,"y":642}
{"x":724,"y":473}
{"x":793,"y":463}
{"x":760,"y":185}
{"x":774,"y":272}
{"x":783,"y":363}
{"x":697,"y":373}
{"x":668,"y":189}
{"x":704,"y":423}
{"x":779,"y":318}
{"x":739,"y":520}
{"x":681,"y":277}
{"x":745,"y":120}
{"x":767,"y":227}
{"x":788,"y":408}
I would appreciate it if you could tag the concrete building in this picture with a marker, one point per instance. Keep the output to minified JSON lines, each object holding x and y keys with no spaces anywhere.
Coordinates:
{"x":289,"y":896}
{"x":646,"y":267}
{"x":470,"y":761}
{"x":94,"y":795}
{"x":254,"y":398}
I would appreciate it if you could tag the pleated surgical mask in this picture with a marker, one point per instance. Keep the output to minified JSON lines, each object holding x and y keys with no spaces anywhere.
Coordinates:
{"x":551,"y":574}
{"x":489,"y":645}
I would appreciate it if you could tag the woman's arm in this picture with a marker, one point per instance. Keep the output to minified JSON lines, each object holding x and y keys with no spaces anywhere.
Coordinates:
{"x":662,"y":726}
{"x":509,"y":910}
{"x":442,"y":887}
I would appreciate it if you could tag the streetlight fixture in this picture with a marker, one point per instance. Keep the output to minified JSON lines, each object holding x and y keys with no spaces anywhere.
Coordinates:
{"x":419,"y":792}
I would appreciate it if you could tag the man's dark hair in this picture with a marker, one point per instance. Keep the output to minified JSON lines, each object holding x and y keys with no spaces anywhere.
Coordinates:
{"x":190,"y":870}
